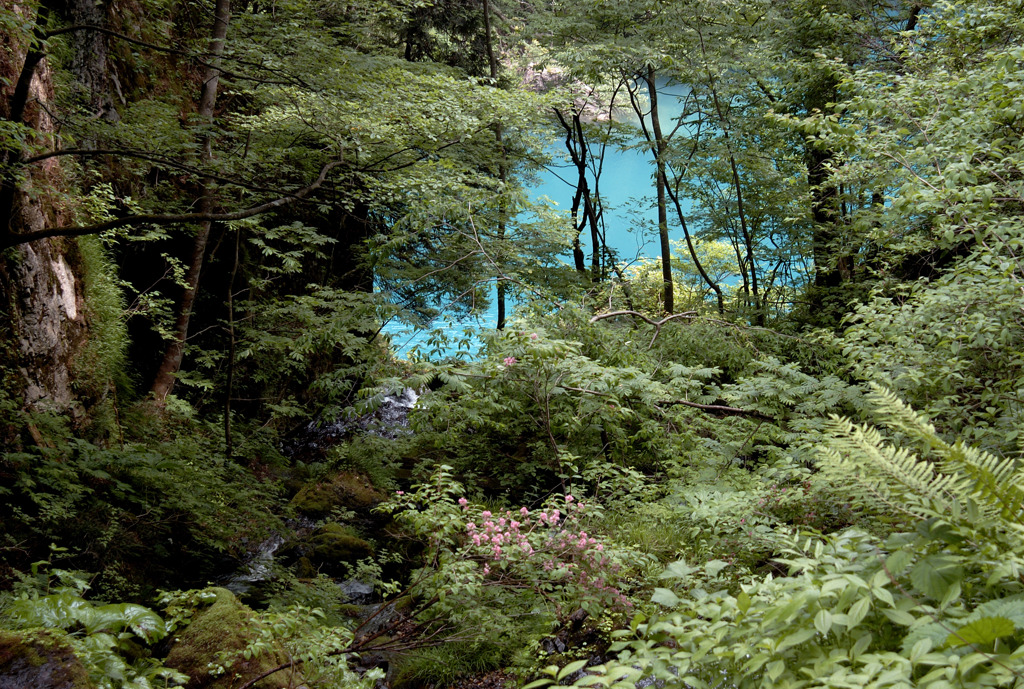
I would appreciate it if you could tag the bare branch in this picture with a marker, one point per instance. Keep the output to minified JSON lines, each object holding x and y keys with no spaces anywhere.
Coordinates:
{"x":657,"y":324}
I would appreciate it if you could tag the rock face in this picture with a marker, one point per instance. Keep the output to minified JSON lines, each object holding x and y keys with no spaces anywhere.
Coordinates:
{"x":39,"y":661}
{"x":226,"y":627}
{"x":44,"y":325}
{"x":48,"y":322}
{"x":389,"y":419}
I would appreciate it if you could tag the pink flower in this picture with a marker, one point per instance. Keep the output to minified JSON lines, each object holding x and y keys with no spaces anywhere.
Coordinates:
{"x":399,"y":492}
{"x":509,"y":360}
{"x":485,"y":514}
{"x":598,"y":547}
{"x":556,"y":515}
{"x":470,"y":526}
{"x":487,"y":569}
{"x":569,"y":498}
{"x":533,"y":336}
{"x":463,"y":501}
{"x":523,"y":511}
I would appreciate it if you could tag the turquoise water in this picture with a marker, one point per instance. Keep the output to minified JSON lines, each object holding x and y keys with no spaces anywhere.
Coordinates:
{"x":626,"y":187}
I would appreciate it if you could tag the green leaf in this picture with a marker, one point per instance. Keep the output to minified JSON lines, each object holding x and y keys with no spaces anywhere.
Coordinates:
{"x":713,"y":567}
{"x":934,"y":575}
{"x":570,"y":669}
{"x":900,"y":617}
{"x":775,"y":669}
{"x":665,"y":597}
{"x":983,"y":631}
{"x":797,"y":637}
{"x":823,"y":621}
{"x":743,"y":602}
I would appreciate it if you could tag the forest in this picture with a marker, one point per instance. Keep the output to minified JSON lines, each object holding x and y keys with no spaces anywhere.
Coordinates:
{"x":779,"y":448}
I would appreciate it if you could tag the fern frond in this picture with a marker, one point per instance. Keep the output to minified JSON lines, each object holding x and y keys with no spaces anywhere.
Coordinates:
{"x":997,"y":481}
{"x":941,"y":488}
{"x":896,"y":475}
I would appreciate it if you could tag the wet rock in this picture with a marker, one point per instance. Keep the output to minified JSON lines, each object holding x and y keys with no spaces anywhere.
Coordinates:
{"x":39,"y":660}
{"x":553,"y":645}
{"x":358,"y":592}
{"x":330,"y":549}
{"x":389,"y":419}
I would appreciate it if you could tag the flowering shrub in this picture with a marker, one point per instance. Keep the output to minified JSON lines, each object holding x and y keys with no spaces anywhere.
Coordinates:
{"x":545,"y":550}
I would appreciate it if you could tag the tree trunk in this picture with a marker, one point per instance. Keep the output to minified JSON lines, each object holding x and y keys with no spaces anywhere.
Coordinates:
{"x":89,"y":64}
{"x":576,"y":147}
{"x":492,"y":60}
{"x":661,"y":148}
{"x":674,"y":195}
{"x":171,"y":362}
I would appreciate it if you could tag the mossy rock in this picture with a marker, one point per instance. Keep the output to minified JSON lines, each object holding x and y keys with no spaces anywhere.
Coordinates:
{"x":226,"y":627}
{"x":346,"y":490}
{"x":40,"y":660}
{"x":335,"y":545}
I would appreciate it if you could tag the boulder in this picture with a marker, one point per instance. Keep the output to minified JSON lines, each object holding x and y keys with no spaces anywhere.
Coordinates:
{"x":328,"y":550}
{"x":226,"y":627}
{"x":40,"y":660}
{"x":346,"y":490}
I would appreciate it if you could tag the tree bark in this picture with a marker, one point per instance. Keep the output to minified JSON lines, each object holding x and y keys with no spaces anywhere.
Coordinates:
{"x":492,"y":60}
{"x":171,"y":362}
{"x":661,"y":148}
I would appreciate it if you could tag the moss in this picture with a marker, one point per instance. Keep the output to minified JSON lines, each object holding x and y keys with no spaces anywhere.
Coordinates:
{"x":346,"y":490}
{"x":350,"y":610}
{"x":335,"y":546}
{"x":225,"y":628}
{"x":40,"y":659}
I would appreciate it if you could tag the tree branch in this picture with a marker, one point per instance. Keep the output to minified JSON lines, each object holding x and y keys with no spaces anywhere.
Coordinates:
{"x":150,"y":157}
{"x":11,"y":239}
{"x":657,"y":324}
{"x":292,"y":79}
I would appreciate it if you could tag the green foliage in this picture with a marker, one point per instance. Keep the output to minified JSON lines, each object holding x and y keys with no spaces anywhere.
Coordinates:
{"x":109,"y":639}
{"x":932,"y":606}
{"x":148,"y":511}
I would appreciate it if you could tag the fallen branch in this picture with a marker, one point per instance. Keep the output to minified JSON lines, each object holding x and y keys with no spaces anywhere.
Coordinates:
{"x":657,"y":324}
{"x":719,"y":408}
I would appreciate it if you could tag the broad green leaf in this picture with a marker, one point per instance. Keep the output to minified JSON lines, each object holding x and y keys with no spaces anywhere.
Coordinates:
{"x":665,"y":597}
{"x":570,"y":669}
{"x":823,"y":621}
{"x":935,"y":574}
{"x":983,"y":631}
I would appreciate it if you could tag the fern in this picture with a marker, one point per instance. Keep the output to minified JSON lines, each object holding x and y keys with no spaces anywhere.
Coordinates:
{"x":962,"y":478}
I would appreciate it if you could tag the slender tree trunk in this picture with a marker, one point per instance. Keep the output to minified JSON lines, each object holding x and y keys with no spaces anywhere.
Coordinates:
{"x":748,"y":242}
{"x":674,"y":195}
{"x":230,"y":384}
{"x":171,"y":362}
{"x":492,"y":60}
{"x":661,"y":148}
{"x":576,"y":147}
{"x":744,"y":230}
